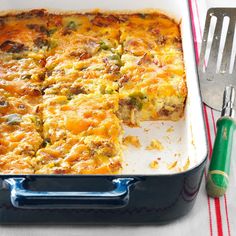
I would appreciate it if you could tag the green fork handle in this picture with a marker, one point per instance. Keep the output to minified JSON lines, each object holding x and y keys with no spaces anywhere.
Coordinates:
{"x":218,"y":175}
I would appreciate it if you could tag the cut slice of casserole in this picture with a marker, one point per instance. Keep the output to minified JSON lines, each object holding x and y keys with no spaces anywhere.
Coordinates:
{"x":152,"y":83}
{"x":85,"y":57}
{"x":83,"y":135}
{"x":20,"y":137}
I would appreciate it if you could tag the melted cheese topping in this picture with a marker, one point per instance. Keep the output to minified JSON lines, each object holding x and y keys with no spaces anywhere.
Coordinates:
{"x":67,"y":82}
{"x":82,"y":115}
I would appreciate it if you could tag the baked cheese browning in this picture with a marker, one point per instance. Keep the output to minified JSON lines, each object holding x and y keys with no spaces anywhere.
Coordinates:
{"x":152,"y":83}
{"x":103,"y":65}
{"x":23,"y":48}
{"x":151,"y":96}
{"x":97,"y":74}
{"x":28,"y":70}
{"x":71,"y":31}
{"x":83,"y":115}
{"x":155,"y":32}
{"x":83,"y":135}
{"x":84,"y":53}
{"x":79,"y":155}
{"x":20,"y":105}
{"x":21,"y":99}
{"x":24,"y":32}
{"x":82,"y":86}
{"x":19,"y":134}
{"x":19,"y":89}
{"x":11,"y":163}
{"x":77,"y":39}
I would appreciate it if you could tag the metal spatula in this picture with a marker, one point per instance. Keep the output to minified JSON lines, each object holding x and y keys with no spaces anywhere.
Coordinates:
{"x":217,"y":73}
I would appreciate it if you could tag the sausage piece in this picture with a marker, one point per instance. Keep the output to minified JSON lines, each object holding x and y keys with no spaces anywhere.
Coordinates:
{"x":13,"y":47}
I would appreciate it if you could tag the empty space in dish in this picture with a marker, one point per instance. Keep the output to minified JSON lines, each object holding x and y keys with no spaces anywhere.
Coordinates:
{"x":176,"y":154}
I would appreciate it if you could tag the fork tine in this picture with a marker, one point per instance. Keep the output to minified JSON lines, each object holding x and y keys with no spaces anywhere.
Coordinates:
{"x":211,"y":65}
{"x":204,"y":42}
{"x":225,"y":63}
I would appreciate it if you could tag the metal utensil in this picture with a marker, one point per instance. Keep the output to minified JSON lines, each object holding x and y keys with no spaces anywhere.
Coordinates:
{"x":217,"y":81}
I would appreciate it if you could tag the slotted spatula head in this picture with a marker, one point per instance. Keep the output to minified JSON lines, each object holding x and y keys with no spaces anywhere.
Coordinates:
{"x":217,"y":64}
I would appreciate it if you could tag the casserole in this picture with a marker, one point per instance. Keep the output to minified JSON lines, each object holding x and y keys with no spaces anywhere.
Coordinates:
{"x":138,"y":194}
{"x":60,"y":68}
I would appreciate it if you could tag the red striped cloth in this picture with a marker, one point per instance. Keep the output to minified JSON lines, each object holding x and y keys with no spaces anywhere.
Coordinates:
{"x":219,"y":211}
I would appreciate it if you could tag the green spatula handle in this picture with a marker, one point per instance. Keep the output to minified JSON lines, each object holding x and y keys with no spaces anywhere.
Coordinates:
{"x":218,"y":175}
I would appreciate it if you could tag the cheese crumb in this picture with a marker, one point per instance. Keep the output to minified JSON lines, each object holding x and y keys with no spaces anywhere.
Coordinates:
{"x":172,"y":165}
{"x":132,"y":140}
{"x":187,"y":164}
{"x":154,"y":165}
{"x":155,"y":144}
{"x":170,"y":129}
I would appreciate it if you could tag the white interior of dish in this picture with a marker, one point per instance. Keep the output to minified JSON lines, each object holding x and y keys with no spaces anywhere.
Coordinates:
{"x":187,"y":140}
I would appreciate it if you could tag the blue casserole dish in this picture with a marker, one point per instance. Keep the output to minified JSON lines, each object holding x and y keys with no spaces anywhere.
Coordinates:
{"x":128,"y":198}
